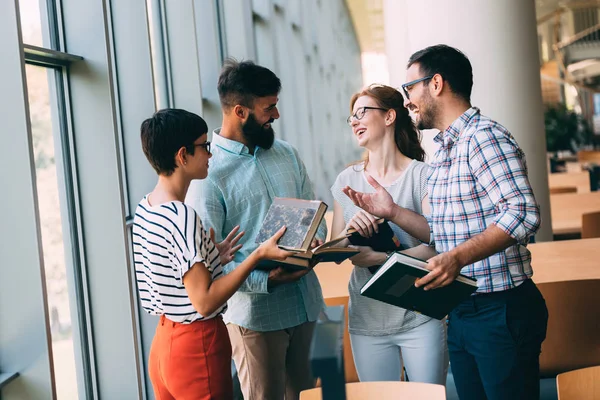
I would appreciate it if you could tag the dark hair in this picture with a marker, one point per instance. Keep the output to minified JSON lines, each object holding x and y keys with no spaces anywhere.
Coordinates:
{"x":450,"y":63}
{"x":242,"y":82}
{"x":165,"y":133}
{"x":406,"y":135}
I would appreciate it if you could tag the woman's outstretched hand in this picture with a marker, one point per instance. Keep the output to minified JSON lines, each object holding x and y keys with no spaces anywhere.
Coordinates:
{"x":228,"y":247}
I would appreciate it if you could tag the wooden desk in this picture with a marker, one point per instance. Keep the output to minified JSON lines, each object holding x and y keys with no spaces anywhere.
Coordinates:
{"x":567,"y":209}
{"x":565,"y":260}
{"x":580,"y":180}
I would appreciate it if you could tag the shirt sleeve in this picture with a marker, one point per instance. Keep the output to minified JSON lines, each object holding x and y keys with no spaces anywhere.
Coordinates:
{"x":425,"y":172}
{"x":189,"y":242}
{"x":423,"y":191}
{"x":208,"y":200}
{"x":498,"y":165}
{"x":307,"y":193}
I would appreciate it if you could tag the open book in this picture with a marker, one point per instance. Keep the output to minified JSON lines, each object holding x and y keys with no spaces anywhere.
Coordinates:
{"x":394,"y":283}
{"x":327,"y":252}
{"x":302,"y":219}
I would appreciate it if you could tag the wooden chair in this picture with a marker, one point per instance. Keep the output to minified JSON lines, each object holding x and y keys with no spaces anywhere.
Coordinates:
{"x":581,"y":384}
{"x":590,"y":225}
{"x":573,"y":339}
{"x":588,"y":156}
{"x":385,"y":391}
{"x":563,"y":189}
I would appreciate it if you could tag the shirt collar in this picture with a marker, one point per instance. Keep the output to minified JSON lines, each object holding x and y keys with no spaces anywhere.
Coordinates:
{"x":229,"y":145}
{"x":453,"y":131}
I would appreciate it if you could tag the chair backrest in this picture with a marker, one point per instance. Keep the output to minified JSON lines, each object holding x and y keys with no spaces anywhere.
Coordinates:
{"x":594,"y":175}
{"x":573,"y":339}
{"x":590,"y":225}
{"x":588,"y":156}
{"x":563,"y":189}
{"x":581,"y":384}
{"x":384,"y":391}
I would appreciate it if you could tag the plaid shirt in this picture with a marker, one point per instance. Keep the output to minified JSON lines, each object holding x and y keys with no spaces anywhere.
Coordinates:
{"x":238,"y":191}
{"x":479,"y":178}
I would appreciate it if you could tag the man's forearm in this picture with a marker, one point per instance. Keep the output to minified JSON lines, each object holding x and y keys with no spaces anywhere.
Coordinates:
{"x":412,"y":223}
{"x":487,"y":243}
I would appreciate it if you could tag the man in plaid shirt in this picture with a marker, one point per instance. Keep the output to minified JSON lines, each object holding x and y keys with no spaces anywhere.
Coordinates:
{"x":483,"y":213}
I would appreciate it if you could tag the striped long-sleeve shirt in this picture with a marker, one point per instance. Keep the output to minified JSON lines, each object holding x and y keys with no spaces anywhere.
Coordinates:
{"x":479,"y":178}
{"x":168,"y":239}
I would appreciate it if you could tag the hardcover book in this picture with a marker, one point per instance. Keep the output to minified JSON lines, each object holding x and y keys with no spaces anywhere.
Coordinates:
{"x":301,"y":217}
{"x":394,"y":283}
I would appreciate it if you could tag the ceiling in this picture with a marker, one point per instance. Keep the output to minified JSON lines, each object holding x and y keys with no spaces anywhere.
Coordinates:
{"x":367,"y":16}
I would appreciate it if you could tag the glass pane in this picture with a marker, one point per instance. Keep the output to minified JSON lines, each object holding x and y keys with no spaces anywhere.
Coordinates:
{"x":31,"y":22}
{"x":63,"y":356}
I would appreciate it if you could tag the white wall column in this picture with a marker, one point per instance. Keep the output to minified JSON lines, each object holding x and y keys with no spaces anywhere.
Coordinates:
{"x":500,"y":39}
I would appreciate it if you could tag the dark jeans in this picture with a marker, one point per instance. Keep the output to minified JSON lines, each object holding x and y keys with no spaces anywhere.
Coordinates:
{"x":495,"y":341}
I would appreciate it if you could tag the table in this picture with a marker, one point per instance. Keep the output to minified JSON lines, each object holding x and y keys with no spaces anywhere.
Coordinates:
{"x":567,"y":209}
{"x":565,"y":260}
{"x":580,"y":180}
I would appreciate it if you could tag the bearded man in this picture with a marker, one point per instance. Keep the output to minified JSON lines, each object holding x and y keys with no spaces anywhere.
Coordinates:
{"x":271,"y":318}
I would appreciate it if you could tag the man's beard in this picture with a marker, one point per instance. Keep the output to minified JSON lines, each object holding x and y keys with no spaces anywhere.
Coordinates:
{"x":427,"y":115}
{"x":256,"y":134}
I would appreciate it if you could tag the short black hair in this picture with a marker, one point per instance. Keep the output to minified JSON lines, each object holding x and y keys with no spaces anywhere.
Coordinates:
{"x":242,"y":82}
{"x":165,"y":133}
{"x":452,"y":64}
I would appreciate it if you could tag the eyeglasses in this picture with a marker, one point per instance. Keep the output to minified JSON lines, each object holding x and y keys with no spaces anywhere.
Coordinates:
{"x":407,"y":86}
{"x":360,"y":113}
{"x":205,"y":145}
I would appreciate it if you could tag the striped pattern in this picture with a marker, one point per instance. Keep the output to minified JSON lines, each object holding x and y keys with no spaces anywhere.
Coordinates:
{"x":479,"y":178}
{"x":238,"y":191}
{"x":168,"y":240}
{"x":367,"y":316}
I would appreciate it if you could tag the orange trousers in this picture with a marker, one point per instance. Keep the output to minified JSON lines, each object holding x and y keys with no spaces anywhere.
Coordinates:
{"x":191,"y":361}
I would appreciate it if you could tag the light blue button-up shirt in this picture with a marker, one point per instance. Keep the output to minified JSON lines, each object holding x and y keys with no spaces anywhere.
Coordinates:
{"x":238,"y":191}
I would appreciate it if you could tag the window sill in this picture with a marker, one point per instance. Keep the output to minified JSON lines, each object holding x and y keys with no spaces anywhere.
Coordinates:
{"x":6,"y":378}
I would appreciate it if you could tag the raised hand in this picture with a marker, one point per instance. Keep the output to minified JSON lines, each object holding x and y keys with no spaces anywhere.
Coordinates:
{"x":228,"y":247}
{"x":379,"y":203}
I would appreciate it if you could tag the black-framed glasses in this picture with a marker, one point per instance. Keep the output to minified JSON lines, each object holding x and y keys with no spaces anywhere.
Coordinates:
{"x":205,"y":146}
{"x":360,"y":113}
{"x":406,"y":87}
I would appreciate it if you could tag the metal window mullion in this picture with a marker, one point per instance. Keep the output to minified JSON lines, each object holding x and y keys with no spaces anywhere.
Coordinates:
{"x":80,"y":275}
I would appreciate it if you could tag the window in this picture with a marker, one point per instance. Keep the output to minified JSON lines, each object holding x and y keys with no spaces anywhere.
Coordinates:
{"x":45,"y":138}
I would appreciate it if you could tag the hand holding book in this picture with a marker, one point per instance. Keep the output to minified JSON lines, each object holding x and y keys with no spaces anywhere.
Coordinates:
{"x":444,"y":269}
{"x":364,"y":223}
{"x":270,"y":250}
